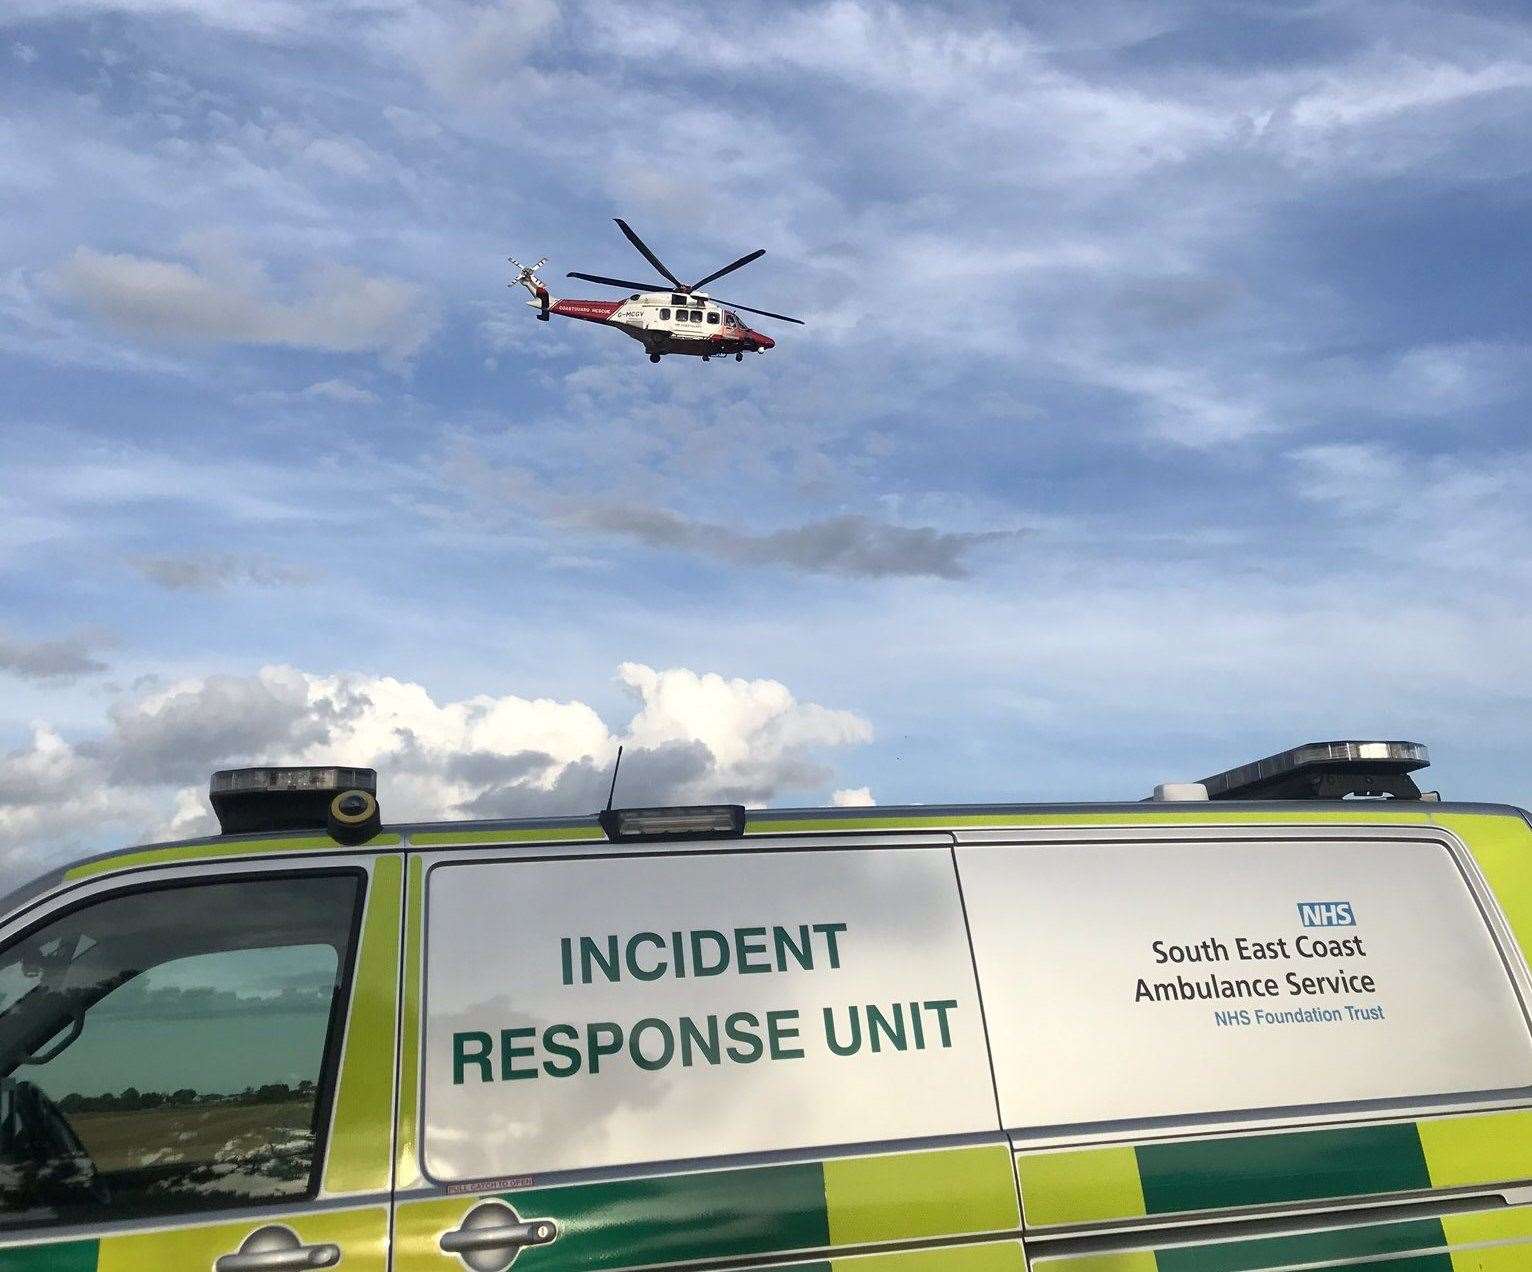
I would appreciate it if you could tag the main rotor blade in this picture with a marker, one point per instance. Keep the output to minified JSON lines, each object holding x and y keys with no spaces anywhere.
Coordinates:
{"x":729,"y":269}
{"x":627,"y":284}
{"x":763,"y":312}
{"x":648,"y":255}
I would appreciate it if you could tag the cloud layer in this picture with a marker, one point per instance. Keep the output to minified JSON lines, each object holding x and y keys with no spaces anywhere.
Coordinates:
{"x":69,"y":656}
{"x":1163,"y":398}
{"x":338,"y":308}
{"x":693,"y":737}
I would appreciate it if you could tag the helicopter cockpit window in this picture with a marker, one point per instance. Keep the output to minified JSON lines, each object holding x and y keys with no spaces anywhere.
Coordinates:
{"x":712,"y":315}
{"x":664,"y":315}
{"x":733,"y":318}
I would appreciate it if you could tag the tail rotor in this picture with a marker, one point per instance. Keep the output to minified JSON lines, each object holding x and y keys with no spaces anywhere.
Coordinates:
{"x":526,"y":276}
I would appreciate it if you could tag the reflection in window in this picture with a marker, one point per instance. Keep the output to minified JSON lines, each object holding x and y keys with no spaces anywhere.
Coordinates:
{"x":168,"y":1052}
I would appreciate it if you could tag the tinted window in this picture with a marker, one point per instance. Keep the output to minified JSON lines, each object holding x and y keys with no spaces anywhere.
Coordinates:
{"x":678,"y":300}
{"x":1235,"y":979}
{"x":665,"y":315}
{"x":712,"y":317}
{"x":739,"y":989}
{"x":696,"y":315}
{"x":168,"y":1050}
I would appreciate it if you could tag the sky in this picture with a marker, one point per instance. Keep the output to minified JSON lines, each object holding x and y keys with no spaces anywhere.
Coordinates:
{"x":1162,"y":401}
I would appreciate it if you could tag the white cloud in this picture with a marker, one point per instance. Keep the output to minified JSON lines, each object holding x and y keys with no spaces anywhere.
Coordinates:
{"x":746,"y":724}
{"x":693,"y":737}
{"x":475,"y":52}
{"x":853,"y":797}
{"x":412,"y":125}
{"x":254,"y":17}
{"x":342,"y":391}
{"x":1463,"y":515}
{"x":227,"y":299}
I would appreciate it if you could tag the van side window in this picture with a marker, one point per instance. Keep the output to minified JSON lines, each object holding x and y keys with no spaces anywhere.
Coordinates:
{"x":169,"y":1050}
{"x":664,"y":315}
{"x":696,"y":1006}
{"x":712,"y":317}
{"x":1236,"y":980}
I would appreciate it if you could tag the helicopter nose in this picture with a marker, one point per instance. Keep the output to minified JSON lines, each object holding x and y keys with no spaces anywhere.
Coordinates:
{"x":765,"y":341}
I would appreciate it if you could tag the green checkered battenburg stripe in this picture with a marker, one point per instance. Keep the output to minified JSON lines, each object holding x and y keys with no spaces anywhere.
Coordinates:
{"x":1094,"y":1185}
{"x":1498,"y":1240}
{"x":704,"y":1215}
{"x":1415,"y":1246}
{"x":1266,"y":1169}
{"x":61,"y":1256}
{"x":808,"y":1206}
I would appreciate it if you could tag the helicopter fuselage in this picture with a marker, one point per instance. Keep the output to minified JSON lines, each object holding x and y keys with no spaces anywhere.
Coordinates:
{"x":690,"y":324}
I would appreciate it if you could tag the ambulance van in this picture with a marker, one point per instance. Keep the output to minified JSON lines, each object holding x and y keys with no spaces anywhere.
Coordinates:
{"x":1277,"y":1019}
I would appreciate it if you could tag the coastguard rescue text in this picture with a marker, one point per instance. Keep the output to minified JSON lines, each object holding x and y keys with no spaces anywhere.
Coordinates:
{"x":566,"y":1049}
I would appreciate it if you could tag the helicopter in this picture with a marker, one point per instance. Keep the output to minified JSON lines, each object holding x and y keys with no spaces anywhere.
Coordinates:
{"x":677,"y":319}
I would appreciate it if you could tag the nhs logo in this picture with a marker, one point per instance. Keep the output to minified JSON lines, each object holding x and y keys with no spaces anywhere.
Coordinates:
{"x":1326,"y":914}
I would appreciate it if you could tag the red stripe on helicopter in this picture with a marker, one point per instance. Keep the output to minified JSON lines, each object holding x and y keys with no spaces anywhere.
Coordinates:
{"x":591,"y":310}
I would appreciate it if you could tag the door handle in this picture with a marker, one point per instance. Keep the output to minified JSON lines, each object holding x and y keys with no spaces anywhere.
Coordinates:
{"x":492,"y":1235}
{"x":277,"y":1249}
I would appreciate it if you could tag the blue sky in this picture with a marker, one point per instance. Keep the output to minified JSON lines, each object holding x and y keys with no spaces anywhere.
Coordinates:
{"x":1163,"y":400}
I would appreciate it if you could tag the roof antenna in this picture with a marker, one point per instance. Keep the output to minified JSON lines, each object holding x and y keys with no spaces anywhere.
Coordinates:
{"x":612,"y":794}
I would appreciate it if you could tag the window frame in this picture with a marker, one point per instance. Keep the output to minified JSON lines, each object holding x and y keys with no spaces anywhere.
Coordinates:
{"x":28,"y":922}
{"x":493,"y":855}
{"x":1337,"y":1114}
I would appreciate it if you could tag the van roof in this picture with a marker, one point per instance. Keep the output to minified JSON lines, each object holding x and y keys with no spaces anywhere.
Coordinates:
{"x":774,"y":822}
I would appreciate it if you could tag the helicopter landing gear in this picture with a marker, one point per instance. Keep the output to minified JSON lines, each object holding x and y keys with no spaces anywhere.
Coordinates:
{"x":739,"y":357}
{"x":654,"y":357}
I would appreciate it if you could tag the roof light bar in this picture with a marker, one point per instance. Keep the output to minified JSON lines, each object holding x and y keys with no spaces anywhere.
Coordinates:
{"x":702,"y":821}
{"x":298,"y":798}
{"x":1326,"y":770}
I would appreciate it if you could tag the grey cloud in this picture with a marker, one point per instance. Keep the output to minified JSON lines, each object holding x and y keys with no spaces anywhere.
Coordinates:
{"x":1177,"y":301}
{"x":852,"y":545}
{"x":52,"y":659}
{"x":485,"y":768}
{"x":215,"y":572}
{"x":182,"y":734}
{"x":667,"y":774}
{"x":226,"y":300}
